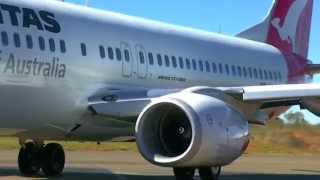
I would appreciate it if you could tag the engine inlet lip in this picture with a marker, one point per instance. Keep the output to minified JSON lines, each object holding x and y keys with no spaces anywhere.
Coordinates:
{"x":195,"y":143}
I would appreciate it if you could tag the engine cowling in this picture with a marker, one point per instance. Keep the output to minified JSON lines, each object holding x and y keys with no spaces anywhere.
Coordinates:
{"x":313,"y":105}
{"x":191,"y":130}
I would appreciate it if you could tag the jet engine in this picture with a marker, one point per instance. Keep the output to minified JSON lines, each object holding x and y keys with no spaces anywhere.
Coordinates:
{"x":191,"y":130}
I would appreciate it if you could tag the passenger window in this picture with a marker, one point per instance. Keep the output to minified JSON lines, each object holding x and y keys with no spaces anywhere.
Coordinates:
{"x":126,"y":55}
{"x":118,"y":54}
{"x":255,"y":72}
{"x":227,"y":69}
{"x":102,"y":52}
{"x":42,"y":44}
{"x":260,"y":74}
{"x":181,"y":64}
{"x":141,"y":56}
{"x":234,"y":72}
{"x":16,"y":39}
{"x":83,"y":49}
{"x":188,"y":64}
{"x":208,"y":69}
{"x":159,"y":58}
{"x":63,"y":48}
{"x":174,"y":61}
{"x":245,"y":73}
{"x":280,"y":76}
{"x":214,"y":67}
{"x":29,"y":42}
{"x":110,"y":53}
{"x":4,"y":38}
{"x":150,"y":56}
{"x":201,"y":65}
{"x":52,"y":45}
{"x":220,"y":69}
{"x":275,"y":76}
{"x":250,"y":72}
{"x":265,"y":75}
{"x":194,"y":64}
{"x":167,"y":61}
{"x":270,"y":75}
{"x":239,"y":71}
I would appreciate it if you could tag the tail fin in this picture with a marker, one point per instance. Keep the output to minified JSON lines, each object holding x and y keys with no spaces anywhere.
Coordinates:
{"x":286,"y":27}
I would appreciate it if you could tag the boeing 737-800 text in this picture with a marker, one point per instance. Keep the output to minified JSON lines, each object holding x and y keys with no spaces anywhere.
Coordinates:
{"x":186,"y":96}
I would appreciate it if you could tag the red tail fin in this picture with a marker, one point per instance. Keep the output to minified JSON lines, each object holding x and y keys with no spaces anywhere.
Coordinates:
{"x":290,"y":25}
{"x":286,"y":27}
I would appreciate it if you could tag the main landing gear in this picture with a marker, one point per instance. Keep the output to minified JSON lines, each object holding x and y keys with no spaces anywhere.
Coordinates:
{"x":35,"y":156}
{"x":205,"y":173}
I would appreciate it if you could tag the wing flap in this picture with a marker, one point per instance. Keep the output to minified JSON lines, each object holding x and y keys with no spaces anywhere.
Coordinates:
{"x":280,"y":92}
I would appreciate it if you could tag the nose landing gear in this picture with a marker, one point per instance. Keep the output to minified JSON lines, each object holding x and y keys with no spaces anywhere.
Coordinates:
{"x":33,"y":157}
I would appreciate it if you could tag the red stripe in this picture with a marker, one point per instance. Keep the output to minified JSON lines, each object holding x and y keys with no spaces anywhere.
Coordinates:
{"x":297,"y":65}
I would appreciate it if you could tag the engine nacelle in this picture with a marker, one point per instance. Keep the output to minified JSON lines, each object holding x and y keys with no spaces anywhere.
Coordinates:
{"x":313,"y":105}
{"x":191,"y":130}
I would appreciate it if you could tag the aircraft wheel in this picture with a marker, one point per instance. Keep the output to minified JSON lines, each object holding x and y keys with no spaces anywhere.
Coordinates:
{"x":28,"y":159}
{"x":184,"y":173}
{"x":53,"y":159}
{"x":210,"y":173}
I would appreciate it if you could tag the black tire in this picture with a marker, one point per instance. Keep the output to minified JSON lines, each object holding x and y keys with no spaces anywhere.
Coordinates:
{"x":210,"y":173}
{"x":184,"y":173}
{"x":53,"y":159}
{"x":29,"y":159}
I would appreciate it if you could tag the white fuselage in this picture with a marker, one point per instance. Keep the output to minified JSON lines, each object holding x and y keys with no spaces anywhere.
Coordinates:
{"x":35,"y":94}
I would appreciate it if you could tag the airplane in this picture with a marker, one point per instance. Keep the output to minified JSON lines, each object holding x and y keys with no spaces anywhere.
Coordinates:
{"x":186,"y":96}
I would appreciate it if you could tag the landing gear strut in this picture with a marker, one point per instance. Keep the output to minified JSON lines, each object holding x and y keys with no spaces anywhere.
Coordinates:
{"x":33,"y":157}
{"x":210,"y":173}
{"x":184,"y":173}
{"x":206,"y":173}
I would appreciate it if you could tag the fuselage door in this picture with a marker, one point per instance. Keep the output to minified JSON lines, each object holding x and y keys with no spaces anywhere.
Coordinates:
{"x":127,"y":63}
{"x":142,"y":64}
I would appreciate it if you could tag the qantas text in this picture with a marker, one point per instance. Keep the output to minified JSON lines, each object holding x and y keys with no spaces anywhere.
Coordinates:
{"x":27,"y":18}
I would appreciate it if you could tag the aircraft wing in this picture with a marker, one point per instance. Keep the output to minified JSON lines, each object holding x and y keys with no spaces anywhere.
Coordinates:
{"x":256,"y":98}
{"x":313,"y":68}
{"x":269,"y":93}
{"x":129,"y":104}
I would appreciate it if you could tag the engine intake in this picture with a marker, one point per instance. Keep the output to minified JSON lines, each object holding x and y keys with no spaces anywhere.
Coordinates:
{"x":188,"y":129}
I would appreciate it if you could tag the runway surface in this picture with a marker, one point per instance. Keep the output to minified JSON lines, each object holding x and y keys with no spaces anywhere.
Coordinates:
{"x":130,"y":166}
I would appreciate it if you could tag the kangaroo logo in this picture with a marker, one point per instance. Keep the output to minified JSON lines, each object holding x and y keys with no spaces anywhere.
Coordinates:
{"x":287,"y":31}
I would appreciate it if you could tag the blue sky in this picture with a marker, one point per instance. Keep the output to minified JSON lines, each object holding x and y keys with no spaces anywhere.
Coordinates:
{"x":227,"y":16}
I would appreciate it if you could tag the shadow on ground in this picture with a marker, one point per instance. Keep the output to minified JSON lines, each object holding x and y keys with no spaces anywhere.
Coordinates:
{"x":7,"y":173}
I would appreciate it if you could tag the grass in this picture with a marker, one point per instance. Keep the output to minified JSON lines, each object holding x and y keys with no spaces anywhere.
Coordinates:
{"x":275,"y":138}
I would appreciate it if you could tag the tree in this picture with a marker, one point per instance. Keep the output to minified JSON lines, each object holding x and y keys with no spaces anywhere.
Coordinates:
{"x":295,"y":118}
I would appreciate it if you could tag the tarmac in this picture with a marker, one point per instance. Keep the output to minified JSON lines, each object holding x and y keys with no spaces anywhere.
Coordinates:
{"x":119,"y":165}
